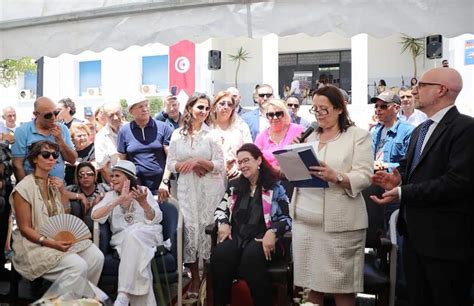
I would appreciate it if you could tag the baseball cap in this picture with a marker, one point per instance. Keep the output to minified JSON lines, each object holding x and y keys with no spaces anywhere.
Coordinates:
{"x":387,"y":97}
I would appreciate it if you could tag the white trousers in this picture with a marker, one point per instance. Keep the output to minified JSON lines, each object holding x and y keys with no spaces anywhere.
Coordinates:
{"x":136,"y":252}
{"x":75,"y":269}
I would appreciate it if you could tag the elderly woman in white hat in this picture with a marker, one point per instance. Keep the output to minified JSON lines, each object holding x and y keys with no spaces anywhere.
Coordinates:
{"x":134,"y":218}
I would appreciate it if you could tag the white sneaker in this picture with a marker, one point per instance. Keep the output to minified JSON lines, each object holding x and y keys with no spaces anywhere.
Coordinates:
{"x":122,"y":300}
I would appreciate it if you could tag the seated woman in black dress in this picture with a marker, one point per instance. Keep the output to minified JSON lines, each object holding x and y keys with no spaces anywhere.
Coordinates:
{"x":252,"y":215}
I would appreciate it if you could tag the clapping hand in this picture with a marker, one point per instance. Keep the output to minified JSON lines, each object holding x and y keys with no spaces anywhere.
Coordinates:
{"x":389,"y":182}
{"x":126,"y":196}
{"x":140,"y":195}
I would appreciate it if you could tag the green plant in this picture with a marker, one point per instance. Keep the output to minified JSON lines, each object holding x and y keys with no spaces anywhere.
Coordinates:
{"x":241,"y":55}
{"x":415,"y":46}
{"x":10,"y":69}
{"x":156,"y":104}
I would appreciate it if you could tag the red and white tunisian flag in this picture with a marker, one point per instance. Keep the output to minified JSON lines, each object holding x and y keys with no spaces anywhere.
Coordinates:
{"x":182,"y":67}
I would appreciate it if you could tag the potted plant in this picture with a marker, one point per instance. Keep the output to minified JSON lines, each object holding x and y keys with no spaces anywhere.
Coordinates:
{"x":415,"y":46}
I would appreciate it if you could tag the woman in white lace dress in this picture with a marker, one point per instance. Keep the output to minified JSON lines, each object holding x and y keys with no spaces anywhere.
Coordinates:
{"x":229,"y":129}
{"x":199,"y":160}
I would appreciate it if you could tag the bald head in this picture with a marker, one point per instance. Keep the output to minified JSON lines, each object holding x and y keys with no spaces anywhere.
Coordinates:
{"x":42,"y":102}
{"x":448,"y":77}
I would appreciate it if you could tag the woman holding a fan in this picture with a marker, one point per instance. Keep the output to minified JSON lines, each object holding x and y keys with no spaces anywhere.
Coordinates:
{"x":35,"y":199}
{"x":134,"y":218}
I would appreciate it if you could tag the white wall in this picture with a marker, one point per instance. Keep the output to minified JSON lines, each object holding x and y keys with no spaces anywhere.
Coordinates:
{"x":305,"y":43}
{"x":250,"y":72}
{"x":456,"y":61}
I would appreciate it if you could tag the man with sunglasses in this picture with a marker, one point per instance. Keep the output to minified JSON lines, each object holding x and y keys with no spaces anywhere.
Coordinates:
{"x":433,"y":185}
{"x":390,"y":137}
{"x":256,"y":119}
{"x":45,"y":126}
{"x":408,"y":113}
{"x":293,"y":103}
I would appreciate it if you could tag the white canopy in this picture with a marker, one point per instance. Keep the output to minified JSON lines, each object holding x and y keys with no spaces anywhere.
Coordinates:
{"x":52,"y":27}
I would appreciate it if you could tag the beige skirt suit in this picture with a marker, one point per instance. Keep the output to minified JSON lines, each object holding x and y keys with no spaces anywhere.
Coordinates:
{"x":329,"y":224}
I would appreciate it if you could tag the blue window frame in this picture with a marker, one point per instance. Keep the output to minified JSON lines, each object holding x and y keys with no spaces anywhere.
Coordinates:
{"x":155,"y":71}
{"x":90,"y":74}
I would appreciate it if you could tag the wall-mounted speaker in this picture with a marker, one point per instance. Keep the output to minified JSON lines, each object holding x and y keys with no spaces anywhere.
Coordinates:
{"x":214,"y":60}
{"x":434,"y":46}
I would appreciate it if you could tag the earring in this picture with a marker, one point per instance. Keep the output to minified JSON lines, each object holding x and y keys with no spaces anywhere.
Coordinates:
{"x":258,"y":167}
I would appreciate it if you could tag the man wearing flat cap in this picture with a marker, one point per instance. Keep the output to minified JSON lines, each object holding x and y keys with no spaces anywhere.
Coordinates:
{"x":144,"y":141}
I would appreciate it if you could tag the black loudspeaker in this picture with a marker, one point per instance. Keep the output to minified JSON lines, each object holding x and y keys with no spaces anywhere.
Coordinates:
{"x":214,"y":60}
{"x":434,"y":46}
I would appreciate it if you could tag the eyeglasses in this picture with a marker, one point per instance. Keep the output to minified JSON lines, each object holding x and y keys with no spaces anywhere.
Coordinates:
{"x":50,"y":115}
{"x":47,"y":154}
{"x":268,"y":95}
{"x":202,"y":107}
{"x":320,"y":111}
{"x":423,"y":84}
{"x":84,"y":174}
{"x":275,"y":115}
{"x":293,"y":105}
{"x":224,"y":103}
{"x":243,"y":161}
{"x":381,"y":106}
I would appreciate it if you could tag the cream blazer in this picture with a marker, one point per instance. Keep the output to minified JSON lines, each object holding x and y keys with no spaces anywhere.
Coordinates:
{"x":350,"y":154}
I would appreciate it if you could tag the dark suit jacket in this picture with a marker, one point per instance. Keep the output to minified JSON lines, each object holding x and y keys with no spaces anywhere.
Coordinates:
{"x":438,"y":197}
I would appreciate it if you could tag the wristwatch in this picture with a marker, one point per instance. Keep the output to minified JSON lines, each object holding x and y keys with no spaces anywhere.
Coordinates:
{"x":166,"y":181}
{"x":339,"y":178}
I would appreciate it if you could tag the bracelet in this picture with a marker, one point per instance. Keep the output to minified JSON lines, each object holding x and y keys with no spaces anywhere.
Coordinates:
{"x":77,"y":196}
{"x":148,"y":210}
{"x":40,"y":240}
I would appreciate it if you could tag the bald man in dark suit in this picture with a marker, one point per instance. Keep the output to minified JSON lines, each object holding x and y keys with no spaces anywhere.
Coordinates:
{"x":434,"y":185}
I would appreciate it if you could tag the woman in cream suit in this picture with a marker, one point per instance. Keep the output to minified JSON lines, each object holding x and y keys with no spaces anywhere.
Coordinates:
{"x":330,"y":223}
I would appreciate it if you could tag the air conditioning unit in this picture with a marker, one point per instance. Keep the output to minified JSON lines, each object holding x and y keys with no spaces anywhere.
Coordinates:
{"x":93,"y":91}
{"x":24,"y":94}
{"x":148,"y":89}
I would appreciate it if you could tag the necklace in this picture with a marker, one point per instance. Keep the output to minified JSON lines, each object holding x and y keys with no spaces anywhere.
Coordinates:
{"x":332,"y":139}
{"x":129,"y":214}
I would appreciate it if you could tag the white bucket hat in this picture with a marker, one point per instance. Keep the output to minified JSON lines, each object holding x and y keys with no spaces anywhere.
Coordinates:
{"x":126,"y":167}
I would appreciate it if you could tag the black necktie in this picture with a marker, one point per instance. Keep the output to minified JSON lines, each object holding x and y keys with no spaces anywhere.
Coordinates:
{"x":419,"y":143}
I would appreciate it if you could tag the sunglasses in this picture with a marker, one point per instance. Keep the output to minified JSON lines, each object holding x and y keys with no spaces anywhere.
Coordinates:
{"x":202,"y":107}
{"x":293,"y":105}
{"x":50,"y":115}
{"x":83,"y":174}
{"x":47,"y":154}
{"x":224,"y":103}
{"x":275,"y":115}
{"x":381,"y":106}
{"x":268,"y":95}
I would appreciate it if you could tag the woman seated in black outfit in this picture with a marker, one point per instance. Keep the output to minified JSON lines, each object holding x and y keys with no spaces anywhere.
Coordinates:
{"x":86,"y":192}
{"x":251,"y":216}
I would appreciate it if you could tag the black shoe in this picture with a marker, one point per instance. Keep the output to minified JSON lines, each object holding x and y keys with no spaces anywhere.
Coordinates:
{"x":5,"y":274}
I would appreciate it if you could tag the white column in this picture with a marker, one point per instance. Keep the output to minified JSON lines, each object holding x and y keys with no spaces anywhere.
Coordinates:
{"x":270,"y":61}
{"x":359,"y":111}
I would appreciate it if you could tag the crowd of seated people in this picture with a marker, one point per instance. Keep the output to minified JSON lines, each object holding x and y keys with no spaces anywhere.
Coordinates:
{"x":108,"y":170}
